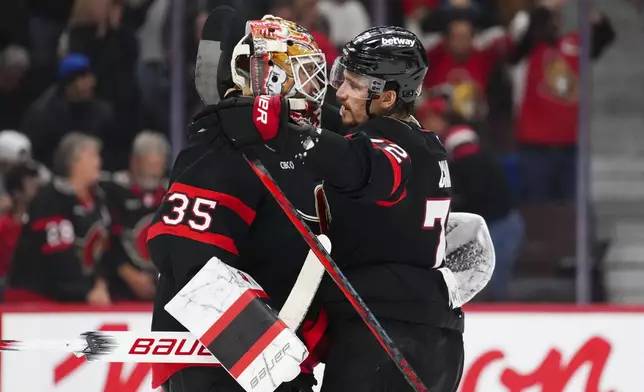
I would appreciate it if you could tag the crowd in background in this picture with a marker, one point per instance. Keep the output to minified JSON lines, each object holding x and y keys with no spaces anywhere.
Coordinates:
{"x":83,"y":83}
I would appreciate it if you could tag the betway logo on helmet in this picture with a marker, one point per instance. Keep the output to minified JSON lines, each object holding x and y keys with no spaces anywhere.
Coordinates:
{"x":398,"y":41}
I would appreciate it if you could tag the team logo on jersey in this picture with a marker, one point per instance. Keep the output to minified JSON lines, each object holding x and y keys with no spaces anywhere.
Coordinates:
{"x":466,"y":97}
{"x":445,"y":180}
{"x":92,"y":246}
{"x":560,"y":82}
{"x":134,"y":243}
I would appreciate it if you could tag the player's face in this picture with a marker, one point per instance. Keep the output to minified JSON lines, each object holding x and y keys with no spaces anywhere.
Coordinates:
{"x":352,"y":95}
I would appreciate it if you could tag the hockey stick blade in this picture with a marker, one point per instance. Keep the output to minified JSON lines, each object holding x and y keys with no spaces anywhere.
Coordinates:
{"x":336,"y":274}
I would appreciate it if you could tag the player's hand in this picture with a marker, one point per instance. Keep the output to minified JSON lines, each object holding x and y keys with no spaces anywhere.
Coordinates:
{"x":99,"y":295}
{"x":245,"y":121}
{"x":302,"y":383}
{"x":141,"y":283}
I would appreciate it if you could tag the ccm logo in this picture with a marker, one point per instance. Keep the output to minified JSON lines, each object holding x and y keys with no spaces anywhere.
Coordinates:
{"x":287,"y":165}
{"x":166,"y":346}
{"x":270,"y":364}
{"x":262,"y":108}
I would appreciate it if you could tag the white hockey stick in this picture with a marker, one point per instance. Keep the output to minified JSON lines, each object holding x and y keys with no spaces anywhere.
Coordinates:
{"x":172,"y":347}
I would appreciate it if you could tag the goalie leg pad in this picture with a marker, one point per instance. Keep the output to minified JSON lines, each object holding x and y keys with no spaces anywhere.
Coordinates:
{"x":227,"y":310}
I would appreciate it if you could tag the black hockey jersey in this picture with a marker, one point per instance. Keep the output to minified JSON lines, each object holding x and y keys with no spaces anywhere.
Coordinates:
{"x":217,"y":207}
{"x":388,"y":189}
{"x":132,"y":209}
{"x":60,"y":248}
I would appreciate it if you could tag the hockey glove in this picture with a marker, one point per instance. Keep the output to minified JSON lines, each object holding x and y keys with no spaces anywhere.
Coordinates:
{"x":246,"y":121}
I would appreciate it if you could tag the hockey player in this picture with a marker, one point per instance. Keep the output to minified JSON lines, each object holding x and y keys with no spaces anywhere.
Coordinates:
{"x":133,"y":197}
{"x":388,"y":188}
{"x":217,"y":207}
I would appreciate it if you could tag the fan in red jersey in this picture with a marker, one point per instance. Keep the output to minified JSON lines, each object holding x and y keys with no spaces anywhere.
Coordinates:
{"x":547,"y":102}
{"x":464,"y":59}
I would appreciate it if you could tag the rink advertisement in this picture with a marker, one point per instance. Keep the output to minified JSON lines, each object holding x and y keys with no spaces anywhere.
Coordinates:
{"x":509,"y":349}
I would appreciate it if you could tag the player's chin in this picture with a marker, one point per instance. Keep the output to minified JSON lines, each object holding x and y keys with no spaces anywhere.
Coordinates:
{"x":347,"y":116}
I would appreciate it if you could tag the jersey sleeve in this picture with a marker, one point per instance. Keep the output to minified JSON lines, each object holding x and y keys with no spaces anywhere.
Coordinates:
{"x":368,"y":169}
{"x":207,"y":212}
{"x":51,"y":237}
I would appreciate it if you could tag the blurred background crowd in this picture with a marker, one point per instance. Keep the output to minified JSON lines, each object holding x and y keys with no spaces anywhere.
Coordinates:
{"x":85,"y":109}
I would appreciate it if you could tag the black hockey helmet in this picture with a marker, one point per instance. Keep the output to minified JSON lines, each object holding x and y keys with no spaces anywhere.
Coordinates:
{"x":381,"y":56}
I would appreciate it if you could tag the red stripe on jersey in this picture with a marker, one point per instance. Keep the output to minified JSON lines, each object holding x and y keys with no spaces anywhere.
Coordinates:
{"x":257,"y":348}
{"x":395,"y":166}
{"x":222,"y":241}
{"x":228,"y":201}
{"x":230,"y":314}
{"x":41,"y":224}
{"x":391,"y":203}
{"x":49,"y":249}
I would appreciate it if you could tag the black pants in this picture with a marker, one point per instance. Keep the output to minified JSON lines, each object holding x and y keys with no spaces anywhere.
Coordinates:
{"x":358,"y":363}
{"x":207,"y":379}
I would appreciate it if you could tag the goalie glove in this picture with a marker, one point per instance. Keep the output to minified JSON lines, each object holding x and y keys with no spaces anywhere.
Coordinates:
{"x":469,"y":257}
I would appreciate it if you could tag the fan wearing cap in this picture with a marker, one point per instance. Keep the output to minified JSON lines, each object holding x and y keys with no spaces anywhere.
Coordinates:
{"x":69,"y":105}
{"x":479,"y":187}
{"x":15,"y":149}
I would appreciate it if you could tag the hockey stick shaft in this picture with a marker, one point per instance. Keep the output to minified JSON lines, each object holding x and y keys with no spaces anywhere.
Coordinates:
{"x":124,"y":346}
{"x":336,"y":274}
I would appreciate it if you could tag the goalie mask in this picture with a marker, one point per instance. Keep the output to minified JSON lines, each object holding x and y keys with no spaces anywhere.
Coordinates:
{"x":279,"y":57}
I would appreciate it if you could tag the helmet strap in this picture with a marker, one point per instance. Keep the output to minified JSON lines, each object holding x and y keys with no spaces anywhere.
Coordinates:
{"x":368,"y":107}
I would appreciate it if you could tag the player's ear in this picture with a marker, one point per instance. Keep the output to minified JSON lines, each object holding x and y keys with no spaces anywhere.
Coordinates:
{"x":388,"y":100}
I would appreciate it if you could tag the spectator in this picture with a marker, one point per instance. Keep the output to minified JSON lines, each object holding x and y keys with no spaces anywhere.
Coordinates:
{"x":479,"y":186}
{"x":22,"y":183}
{"x":47,"y":20}
{"x":548,"y":88}
{"x":152,"y":69}
{"x":14,"y":149}
{"x":306,"y":14}
{"x":14,"y":94}
{"x":60,"y":248}
{"x":133,"y":197}
{"x":347,"y":18}
{"x":96,"y":31}
{"x":282,"y":9}
{"x":463,"y":63}
{"x":67,"y":106}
